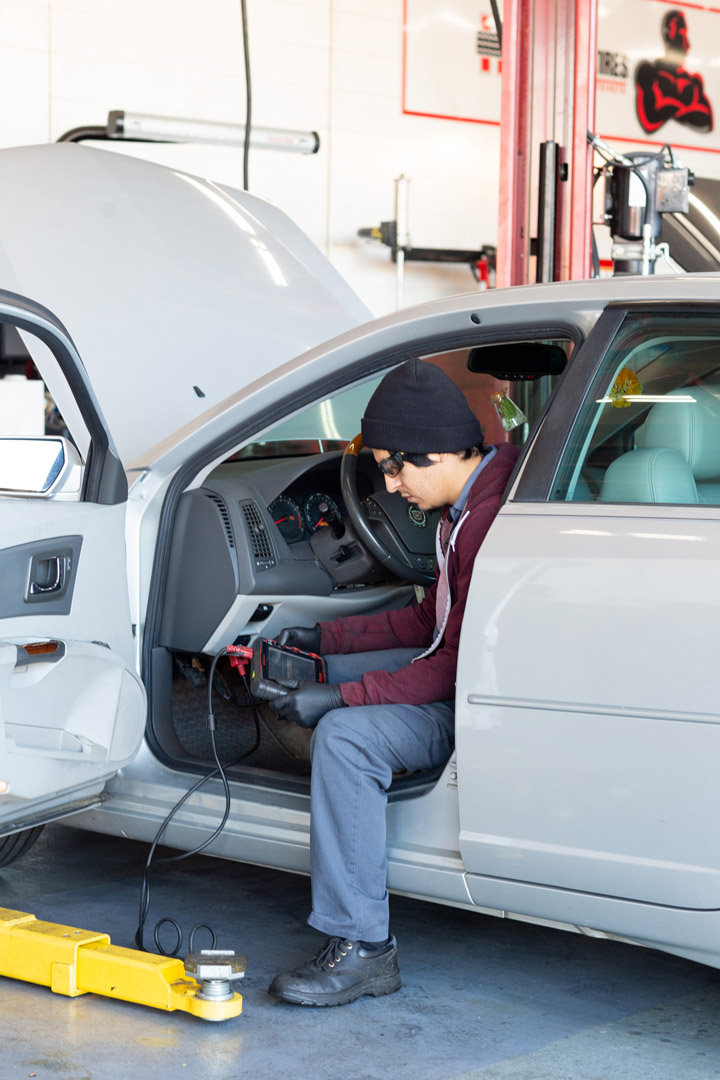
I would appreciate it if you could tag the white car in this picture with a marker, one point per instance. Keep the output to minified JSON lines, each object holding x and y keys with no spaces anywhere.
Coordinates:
{"x":193,"y":499}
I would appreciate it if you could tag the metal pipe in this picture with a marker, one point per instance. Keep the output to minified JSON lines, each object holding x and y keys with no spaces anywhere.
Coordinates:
{"x":547,"y":210}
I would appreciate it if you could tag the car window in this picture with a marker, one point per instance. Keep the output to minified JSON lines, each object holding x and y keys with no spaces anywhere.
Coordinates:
{"x":507,"y":383}
{"x":26,"y":406}
{"x":649,"y":428}
{"x":31,"y":388}
{"x":330,"y":424}
{"x":34,"y":459}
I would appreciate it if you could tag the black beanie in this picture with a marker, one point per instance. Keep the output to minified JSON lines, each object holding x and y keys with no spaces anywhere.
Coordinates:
{"x":419,"y":409}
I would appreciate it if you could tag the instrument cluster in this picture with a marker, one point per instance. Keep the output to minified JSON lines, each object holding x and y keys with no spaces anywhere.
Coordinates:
{"x":298,"y":516}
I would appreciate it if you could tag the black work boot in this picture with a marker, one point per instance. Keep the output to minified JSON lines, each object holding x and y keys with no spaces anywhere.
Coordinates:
{"x":341,"y":972}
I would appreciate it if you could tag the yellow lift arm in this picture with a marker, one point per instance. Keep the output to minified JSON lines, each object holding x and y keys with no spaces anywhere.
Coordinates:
{"x":74,"y":962}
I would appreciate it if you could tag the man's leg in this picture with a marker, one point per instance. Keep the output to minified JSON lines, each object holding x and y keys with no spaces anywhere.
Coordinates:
{"x":355,"y":752}
{"x":349,"y":667}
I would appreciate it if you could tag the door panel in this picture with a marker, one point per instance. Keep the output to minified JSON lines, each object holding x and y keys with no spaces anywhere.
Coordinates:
{"x":55,"y":750}
{"x":71,"y":717}
{"x":72,"y":707}
{"x":588,"y":727}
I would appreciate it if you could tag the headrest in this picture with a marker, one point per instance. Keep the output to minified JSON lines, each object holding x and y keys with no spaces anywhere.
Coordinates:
{"x":657,"y":475}
{"x":688,"y":420}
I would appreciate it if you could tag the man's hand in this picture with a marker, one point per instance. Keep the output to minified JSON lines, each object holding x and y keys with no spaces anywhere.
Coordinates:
{"x":303,"y":702}
{"x":306,"y":638}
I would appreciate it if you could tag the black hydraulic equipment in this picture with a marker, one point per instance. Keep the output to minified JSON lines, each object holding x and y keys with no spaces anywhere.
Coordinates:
{"x":639,"y":188}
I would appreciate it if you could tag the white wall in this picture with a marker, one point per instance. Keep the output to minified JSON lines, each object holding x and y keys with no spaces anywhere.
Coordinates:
{"x":334,"y":66}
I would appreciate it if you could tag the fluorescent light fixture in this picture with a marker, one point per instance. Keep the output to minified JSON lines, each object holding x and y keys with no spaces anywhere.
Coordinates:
{"x":146,"y":128}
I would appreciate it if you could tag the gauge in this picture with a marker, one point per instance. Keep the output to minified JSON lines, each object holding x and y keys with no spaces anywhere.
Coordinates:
{"x":287,"y":515}
{"x":320,"y":510}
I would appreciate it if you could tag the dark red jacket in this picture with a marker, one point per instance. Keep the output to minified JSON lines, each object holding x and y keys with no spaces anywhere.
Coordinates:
{"x":432,"y":678}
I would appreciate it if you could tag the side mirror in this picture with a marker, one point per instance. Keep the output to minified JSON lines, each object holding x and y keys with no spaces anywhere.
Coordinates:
{"x":48,"y":466}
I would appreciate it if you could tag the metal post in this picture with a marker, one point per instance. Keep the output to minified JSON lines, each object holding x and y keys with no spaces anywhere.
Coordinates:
{"x":402,"y":241}
{"x":548,"y":93}
{"x":513,"y":239}
{"x":583,"y":120}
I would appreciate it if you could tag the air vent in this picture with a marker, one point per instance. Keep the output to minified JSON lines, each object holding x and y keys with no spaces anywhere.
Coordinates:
{"x":224,"y":516}
{"x":260,"y":541}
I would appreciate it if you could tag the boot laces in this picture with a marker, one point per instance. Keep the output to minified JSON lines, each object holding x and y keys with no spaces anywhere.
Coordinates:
{"x":332,"y":952}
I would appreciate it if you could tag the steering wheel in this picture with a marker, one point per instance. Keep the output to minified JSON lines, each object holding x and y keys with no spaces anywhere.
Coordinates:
{"x":403,"y":565}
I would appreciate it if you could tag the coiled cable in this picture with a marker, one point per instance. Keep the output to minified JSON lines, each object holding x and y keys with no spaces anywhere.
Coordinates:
{"x":219,"y":770}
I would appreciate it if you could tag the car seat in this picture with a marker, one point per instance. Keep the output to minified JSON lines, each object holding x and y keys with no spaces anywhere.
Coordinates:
{"x":677,"y":459}
{"x":692,"y":427}
{"x":654,"y":475}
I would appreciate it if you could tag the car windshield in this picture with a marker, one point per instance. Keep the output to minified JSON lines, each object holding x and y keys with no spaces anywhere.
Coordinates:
{"x":326,"y":426}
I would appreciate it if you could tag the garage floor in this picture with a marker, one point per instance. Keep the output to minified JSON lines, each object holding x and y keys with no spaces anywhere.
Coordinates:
{"x":483,"y":999}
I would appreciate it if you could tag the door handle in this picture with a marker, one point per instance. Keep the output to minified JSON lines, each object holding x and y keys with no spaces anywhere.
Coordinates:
{"x":49,"y":576}
{"x":55,"y":582}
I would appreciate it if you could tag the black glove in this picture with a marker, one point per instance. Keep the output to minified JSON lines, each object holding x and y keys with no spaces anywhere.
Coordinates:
{"x":303,"y":702}
{"x":306,"y":638}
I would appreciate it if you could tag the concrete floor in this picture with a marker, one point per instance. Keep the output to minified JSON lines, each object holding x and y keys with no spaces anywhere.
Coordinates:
{"x":483,"y":999}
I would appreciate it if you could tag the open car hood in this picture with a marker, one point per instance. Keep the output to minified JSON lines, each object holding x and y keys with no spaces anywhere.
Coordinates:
{"x":177,"y":291}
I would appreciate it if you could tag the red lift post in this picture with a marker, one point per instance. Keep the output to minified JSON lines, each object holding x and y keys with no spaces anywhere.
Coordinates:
{"x":548,"y":97}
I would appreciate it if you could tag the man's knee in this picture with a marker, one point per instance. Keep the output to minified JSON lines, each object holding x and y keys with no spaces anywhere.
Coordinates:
{"x":341,"y":731}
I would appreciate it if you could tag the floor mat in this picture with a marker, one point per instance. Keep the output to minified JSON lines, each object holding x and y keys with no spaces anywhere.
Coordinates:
{"x":235,"y":732}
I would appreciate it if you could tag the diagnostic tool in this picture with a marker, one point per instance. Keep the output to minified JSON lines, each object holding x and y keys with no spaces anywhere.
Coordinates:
{"x":282,"y":663}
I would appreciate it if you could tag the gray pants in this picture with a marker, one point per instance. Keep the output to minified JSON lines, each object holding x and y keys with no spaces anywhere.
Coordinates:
{"x":355,"y":751}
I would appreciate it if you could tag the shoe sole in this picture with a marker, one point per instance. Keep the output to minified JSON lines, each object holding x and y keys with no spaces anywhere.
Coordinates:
{"x":377,"y":988}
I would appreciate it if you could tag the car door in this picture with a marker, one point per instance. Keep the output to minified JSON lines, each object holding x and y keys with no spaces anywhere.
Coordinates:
{"x":588,"y":720}
{"x":72,"y":708}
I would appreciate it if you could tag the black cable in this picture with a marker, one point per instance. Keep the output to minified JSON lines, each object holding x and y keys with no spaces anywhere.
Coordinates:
{"x":498,"y":24}
{"x":595,"y":256}
{"x":248,"y":96}
{"x":219,"y":770}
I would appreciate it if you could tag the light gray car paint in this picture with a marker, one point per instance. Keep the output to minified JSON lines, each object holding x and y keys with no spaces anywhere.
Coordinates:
{"x":431,"y":836}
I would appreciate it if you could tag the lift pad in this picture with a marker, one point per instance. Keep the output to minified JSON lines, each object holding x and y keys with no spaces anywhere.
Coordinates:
{"x":74,"y":962}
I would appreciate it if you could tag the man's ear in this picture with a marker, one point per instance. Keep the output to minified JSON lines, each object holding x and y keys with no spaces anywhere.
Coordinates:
{"x":436,"y":457}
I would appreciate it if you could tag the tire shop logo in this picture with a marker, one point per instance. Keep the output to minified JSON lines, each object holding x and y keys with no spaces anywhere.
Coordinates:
{"x":665,"y":89}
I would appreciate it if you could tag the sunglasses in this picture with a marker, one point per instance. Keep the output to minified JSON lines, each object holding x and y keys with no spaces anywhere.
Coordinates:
{"x":391,"y":466}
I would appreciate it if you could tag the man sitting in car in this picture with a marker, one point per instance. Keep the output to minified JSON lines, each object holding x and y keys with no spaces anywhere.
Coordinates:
{"x":389,"y":703}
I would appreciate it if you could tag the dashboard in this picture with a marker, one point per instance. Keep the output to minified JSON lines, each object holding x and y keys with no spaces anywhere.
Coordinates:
{"x":256,"y":534}
{"x":298,"y":513}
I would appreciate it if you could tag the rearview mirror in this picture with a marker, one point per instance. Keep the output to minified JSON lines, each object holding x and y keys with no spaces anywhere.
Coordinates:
{"x":517,"y":361}
{"x":44,"y":467}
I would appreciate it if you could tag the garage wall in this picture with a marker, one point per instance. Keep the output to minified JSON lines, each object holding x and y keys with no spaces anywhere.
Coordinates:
{"x":334,"y":66}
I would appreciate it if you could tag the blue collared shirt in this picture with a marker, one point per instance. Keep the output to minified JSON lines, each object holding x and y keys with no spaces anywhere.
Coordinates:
{"x":457,"y":508}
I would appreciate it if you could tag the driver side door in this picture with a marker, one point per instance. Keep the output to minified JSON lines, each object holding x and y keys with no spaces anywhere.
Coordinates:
{"x":72,"y":707}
